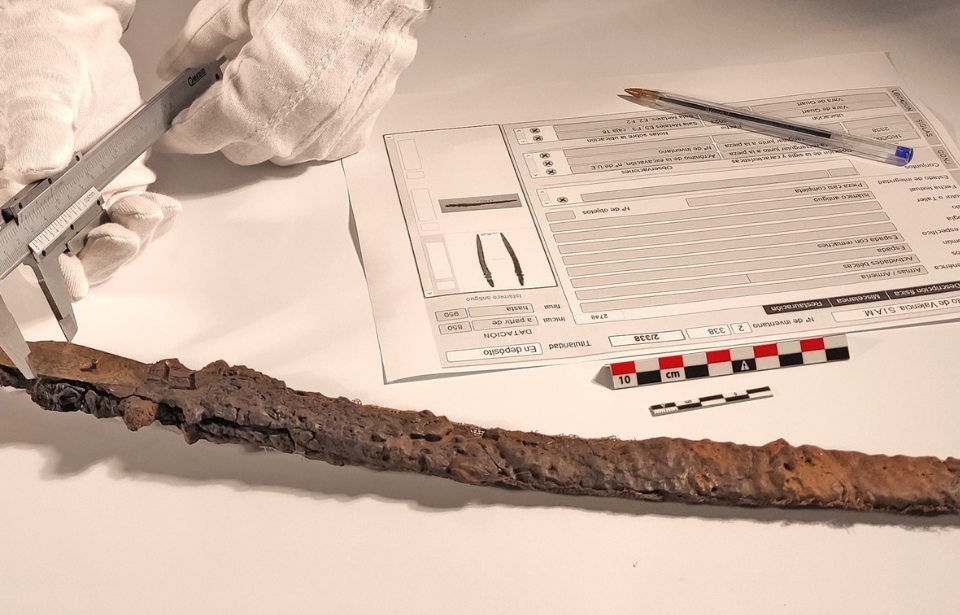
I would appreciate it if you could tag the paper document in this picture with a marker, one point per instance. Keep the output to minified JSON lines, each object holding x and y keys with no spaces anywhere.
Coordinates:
{"x":628,"y":231}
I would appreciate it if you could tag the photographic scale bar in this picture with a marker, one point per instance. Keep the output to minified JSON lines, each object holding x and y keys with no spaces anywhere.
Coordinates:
{"x":710,"y":401}
{"x":641,"y":372}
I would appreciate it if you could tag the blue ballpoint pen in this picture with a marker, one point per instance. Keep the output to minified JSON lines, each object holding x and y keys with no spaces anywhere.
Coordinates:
{"x":811,"y":135}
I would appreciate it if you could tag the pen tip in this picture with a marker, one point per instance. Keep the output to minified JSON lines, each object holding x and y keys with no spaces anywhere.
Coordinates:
{"x":652,"y":95}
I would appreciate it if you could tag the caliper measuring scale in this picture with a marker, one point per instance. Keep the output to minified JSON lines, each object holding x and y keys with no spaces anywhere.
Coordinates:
{"x":54,"y":215}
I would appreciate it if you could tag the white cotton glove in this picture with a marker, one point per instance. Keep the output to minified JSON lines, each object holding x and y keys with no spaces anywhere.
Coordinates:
{"x":305,"y":80}
{"x":65,"y":81}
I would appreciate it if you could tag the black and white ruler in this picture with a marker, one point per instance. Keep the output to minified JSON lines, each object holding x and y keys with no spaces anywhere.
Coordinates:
{"x":709,"y":401}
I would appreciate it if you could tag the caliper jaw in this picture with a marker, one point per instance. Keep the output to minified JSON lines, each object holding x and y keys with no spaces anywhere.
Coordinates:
{"x":44,"y":258}
{"x":12,"y":342}
{"x":66,"y":234}
{"x":29,"y":232}
{"x":55,"y":290}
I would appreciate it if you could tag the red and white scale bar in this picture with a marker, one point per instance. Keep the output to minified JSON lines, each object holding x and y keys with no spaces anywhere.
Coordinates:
{"x":641,"y":372}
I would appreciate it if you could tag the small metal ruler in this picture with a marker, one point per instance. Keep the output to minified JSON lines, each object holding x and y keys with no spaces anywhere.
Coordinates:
{"x":54,"y":215}
{"x":709,"y":401}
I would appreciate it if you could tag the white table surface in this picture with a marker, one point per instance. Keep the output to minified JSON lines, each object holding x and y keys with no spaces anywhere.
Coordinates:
{"x":261,"y":270}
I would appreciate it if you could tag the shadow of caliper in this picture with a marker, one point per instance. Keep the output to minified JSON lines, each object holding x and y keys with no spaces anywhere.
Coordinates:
{"x":53,"y":216}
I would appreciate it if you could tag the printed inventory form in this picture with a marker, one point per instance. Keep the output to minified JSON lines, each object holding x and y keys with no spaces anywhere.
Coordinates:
{"x":638,"y":231}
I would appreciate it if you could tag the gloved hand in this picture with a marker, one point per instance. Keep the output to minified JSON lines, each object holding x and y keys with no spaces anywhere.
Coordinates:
{"x":305,"y":80}
{"x":65,"y":81}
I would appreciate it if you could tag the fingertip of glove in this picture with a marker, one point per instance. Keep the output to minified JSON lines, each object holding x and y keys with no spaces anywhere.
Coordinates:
{"x":76,"y":280}
{"x":167,"y":66}
{"x":145,"y":214}
{"x":168,"y":205}
{"x":41,"y":140}
{"x":108,"y":248}
{"x":39,"y":161}
{"x":246,"y":154}
{"x":186,"y":135}
{"x":166,"y":72}
{"x":114,"y":237}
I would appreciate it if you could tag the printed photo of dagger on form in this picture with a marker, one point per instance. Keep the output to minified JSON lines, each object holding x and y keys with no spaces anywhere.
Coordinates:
{"x":517,"y":268}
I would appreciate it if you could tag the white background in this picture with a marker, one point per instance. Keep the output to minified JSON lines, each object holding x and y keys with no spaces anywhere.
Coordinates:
{"x":261,"y":270}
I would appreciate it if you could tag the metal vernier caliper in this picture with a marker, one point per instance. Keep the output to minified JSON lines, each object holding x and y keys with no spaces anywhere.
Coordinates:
{"x":53,"y":216}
